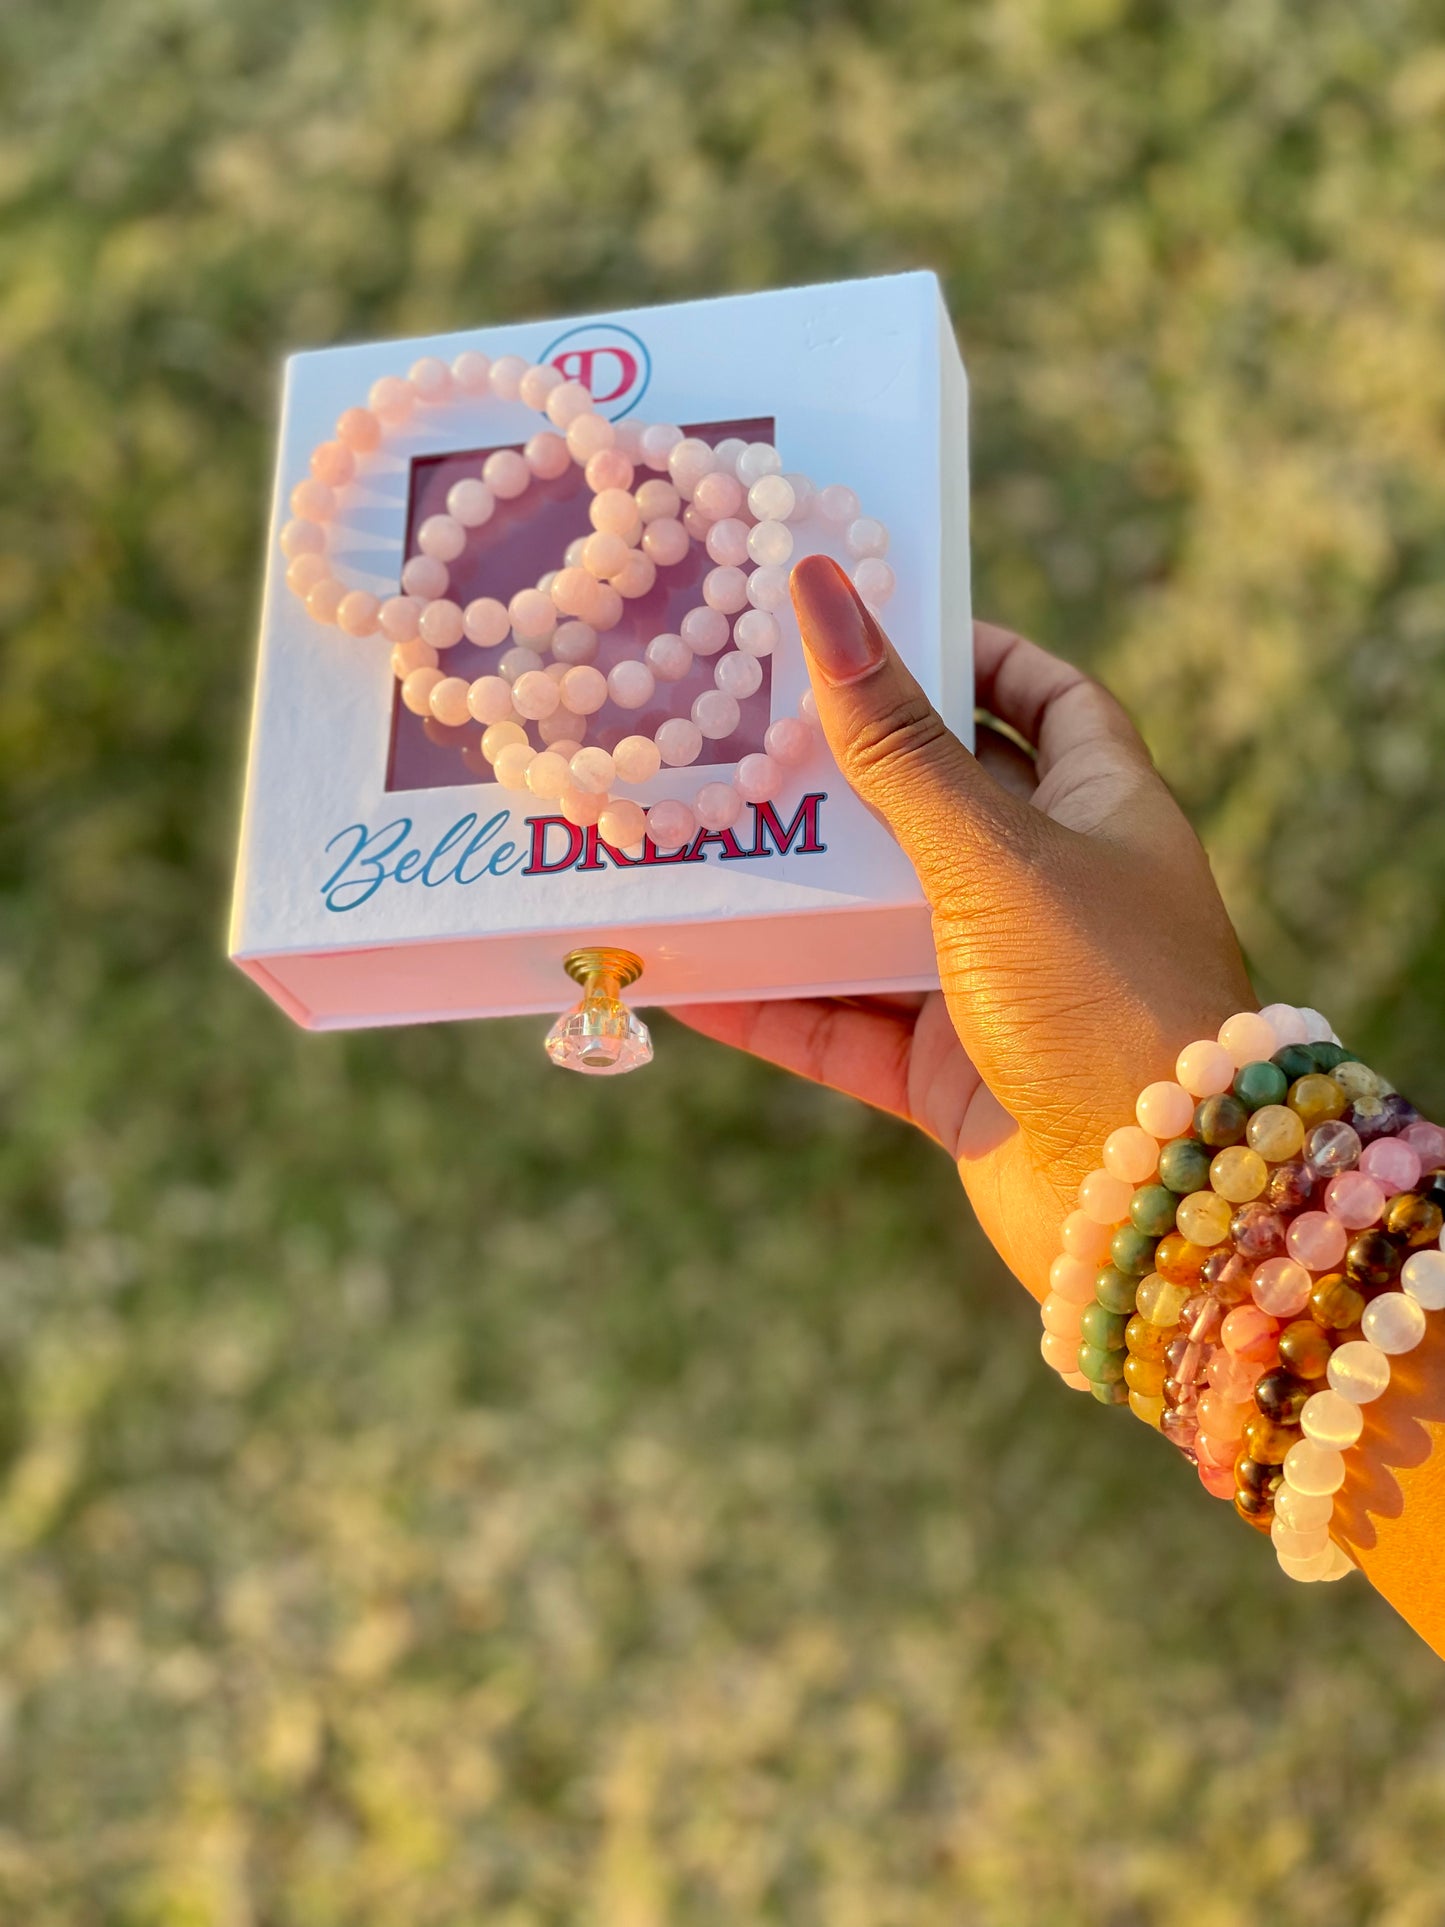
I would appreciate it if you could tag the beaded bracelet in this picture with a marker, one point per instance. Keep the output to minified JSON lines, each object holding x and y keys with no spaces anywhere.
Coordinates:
{"x":732,"y":499}
{"x":1253,"y":1251}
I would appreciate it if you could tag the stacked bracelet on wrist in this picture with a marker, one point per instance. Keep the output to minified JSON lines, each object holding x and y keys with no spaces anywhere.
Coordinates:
{"x":1247,"y":1260}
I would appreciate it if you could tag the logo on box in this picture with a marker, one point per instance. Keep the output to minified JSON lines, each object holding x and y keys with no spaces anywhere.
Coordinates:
{"x":609,"y":359}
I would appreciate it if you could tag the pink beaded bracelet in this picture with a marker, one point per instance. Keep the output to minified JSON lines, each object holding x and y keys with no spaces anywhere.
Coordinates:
{"x":1251,"y":1254}
{"x":734,"y":499}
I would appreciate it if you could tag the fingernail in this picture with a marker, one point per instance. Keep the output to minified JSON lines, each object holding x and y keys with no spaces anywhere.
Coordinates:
{"x":840,"y":634}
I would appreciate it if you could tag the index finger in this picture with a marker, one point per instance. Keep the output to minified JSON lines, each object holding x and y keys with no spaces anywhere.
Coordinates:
{"x":1052,"y":704}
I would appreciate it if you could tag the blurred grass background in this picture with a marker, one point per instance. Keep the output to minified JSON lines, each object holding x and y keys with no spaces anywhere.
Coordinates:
{"x":433,"y":1491}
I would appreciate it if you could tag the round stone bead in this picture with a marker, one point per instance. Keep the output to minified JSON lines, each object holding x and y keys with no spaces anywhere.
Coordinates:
{"x":1335,"y":1304}
{"x":1144,"y":1375}
{"x":1372,"y":1260}
{"x":874,"y":581}
{"x":1281,"y":1396}
{"x":1250,"y":1333}
{"x":1107,"y":1199}
{"x":1353,"y":1198}
{"x":1100,"y":1366}
{"x":1204,"y":1216}
{"x":837,"y":503}
{"x":1423,"y":1276}
{"x":503,"y":735}
{"x":738,"y":675}
{"x":489,"y":700}
{"x":1131,"y":1251}
{"x":535,"y":695}
{"x":790,"y":741}
{"x":584,"y":689}
{"x":758,"y":778}
{"x":307,"y":571}
{"x":359,"y":430}
{"x":772,"y":498}
{"x":313,"y":501}
{"x":593,"y":771}
{"x":1359,"y":1370}
{"x":1304,"y":1349}
{"x":717,"y":806}
{"x":416,"y":690}
{"x":668,"y":657}
{"x":1314,"y":1469}
{"x":548,"y":456}
{"x":1259,"y":1083}
{"x":549,"y":775}
{"x":1145,"y":1340}
{"x":1115,"y":1290}
{"x":1104,"y":1329}
{"x":1414,"y":1219}
{"x":630,"y":684}
{"x":1130,"y":1153}
{"x":1255,"y":1508}
{"x":1249,"y":1038}
{"x":768,"y":589}
{"x":1176,"y":1259}
{"x":441,"y":623}
{"x":333,"y":463}
{"x":1238,"y":1174}
{"x":391,"y":400}
{"x":1281,"y":1287}
{"x":415,"y":654}
{"x":1159,"y":1302}
{"x":470,"y":503}
{"x":727,"y":542}
{"x":1219,"y":1121}
{"x":582,"y":807}
{"x":1150,"y":1209}
{"x":1149,"y":1409}
{"x":1164,"y":1109}
{"x":1394,"y":1322}
{"x":1061,"y":1315}
{"x":1291,"y":1185}
{"x":1115,"y":1392}
{"x":1303,"y":1510}
{"x":1220,"y":1417}
{"x":1078,"y":1234}
{"x":357,"y":613}
{"x":671,"y":824}
{"x":1233,"y":1378}
{"x":623,"y":824}
{"x":1184,"y":1165}
{"x":1428,"y":1140}
{"x":1392,"y":1163}
{"x":512,"y":765}
{"x":1316,"y":1240}
{"x":1069,"y":1278}
{"x":636,"y":759}
{"x":1331,"y":1147}
{"x":1266,"y":1440}
{"x":704,"y":630}
{"x":756,"y":632}
{"x":1296,"y":1061}
{"x":716,"y":714}
{"x":1276,"y":1133}
{"x":1300,"y":1546}
{"x":1204,"y":1069}
{"x":1256,"y":1230}
{"x":1316,"y":1098}
{"x":449,"y":701}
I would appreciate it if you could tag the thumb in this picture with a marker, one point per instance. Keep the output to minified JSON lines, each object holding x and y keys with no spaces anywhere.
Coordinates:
{"x":954,"y":822}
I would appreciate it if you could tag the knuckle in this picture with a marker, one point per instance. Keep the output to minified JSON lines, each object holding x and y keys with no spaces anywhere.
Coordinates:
{"x":886,"y":745}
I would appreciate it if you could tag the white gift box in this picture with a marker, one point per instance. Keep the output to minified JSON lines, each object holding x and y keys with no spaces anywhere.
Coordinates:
{"x":385,"y":877}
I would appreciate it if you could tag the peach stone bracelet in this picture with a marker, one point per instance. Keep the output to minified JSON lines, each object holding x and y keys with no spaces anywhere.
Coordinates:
{"x":734,"y":499}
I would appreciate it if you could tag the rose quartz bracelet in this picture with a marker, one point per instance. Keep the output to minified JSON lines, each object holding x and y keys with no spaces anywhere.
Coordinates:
{"x":734,"y":499}
{"x":1252,"y":1252}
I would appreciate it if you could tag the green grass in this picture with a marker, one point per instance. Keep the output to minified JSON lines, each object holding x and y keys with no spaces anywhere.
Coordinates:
{"x":435,"y":1491}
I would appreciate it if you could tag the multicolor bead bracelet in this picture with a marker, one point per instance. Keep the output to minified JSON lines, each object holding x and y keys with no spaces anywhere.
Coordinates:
{"x":1251,"y":1254}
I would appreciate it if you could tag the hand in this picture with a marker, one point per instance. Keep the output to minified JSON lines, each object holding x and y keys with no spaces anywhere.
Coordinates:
{"x":1081,"y":937}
